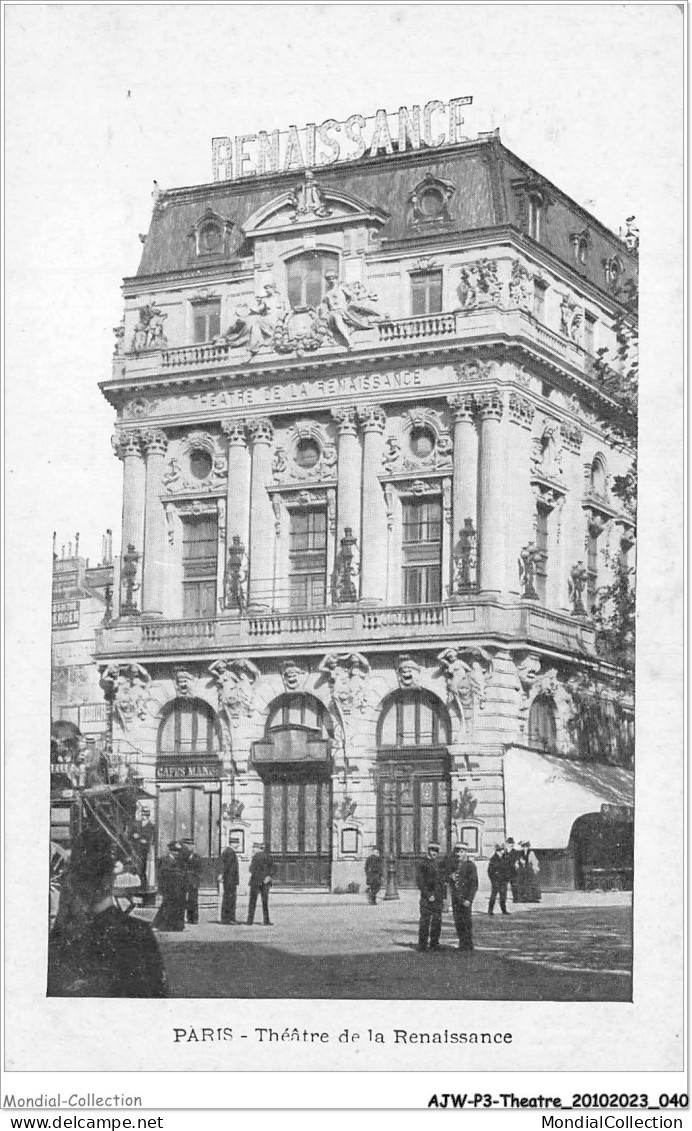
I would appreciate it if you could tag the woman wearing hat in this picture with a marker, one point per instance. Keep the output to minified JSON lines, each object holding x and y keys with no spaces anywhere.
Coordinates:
{"x":173,"y":887}
{"x":527,"y":875}
{"x":95,"y":950}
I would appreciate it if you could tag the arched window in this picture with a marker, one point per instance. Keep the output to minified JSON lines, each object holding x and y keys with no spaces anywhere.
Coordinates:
{"x":305,"y":282}
{"x":413,"y":718}
{"x":598,"y":477}
{"x":542,"y":731}
{"x":189,"y":727}
{"x":302,"y":711}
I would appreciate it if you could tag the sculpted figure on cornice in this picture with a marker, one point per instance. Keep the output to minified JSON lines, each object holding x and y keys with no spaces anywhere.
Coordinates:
{"x":149,"y":333}
{"x":347,"y":673}
{"x":347,"y":307}
{"x":234,"y":681}
{"x":467,"y":672}
{"x":307,"y":200}
{"x":570,"y":318}
{"x":479,"y":285}
{"x":119,"y":332}
{"x":126,"y":687}
{"x":521,"y":287}
{"x":255,"y":328}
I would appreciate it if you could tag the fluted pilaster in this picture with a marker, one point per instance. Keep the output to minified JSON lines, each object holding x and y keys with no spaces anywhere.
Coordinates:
{"x":491,"y":502}
{"x":465,"y":481}
{"x":155,"y":444}
{"x":238,"y":490}
{"x":262,"y":535}
{"x":128,"y":448}
{"x":374,"y":514}
{"x":349,"y":479}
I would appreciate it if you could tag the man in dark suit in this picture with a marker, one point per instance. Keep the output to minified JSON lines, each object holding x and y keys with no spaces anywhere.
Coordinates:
{"x":513,"y":857}
{"x":498,"y":874}
{"x":373,"y":874}
{"x":192,"y":865}
{"x":261,"y":869}
{"x":142,"y":837}
{"x":430,"y":877}
{"x":230,"y":878}
{"x":463,"y":887}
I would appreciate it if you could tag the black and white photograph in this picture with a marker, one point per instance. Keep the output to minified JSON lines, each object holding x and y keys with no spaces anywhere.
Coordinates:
{"x":351,"y":692}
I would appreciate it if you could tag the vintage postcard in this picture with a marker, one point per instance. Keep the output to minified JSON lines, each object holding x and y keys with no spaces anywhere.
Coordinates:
{"x":346,"y":584}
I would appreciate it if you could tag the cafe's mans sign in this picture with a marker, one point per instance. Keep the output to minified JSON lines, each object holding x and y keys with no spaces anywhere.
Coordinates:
{"x":282,"y":151}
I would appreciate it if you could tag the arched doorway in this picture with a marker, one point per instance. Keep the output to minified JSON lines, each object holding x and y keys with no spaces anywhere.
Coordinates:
{"x":413,"y":782}
{"x":294,"y":762}
{"x":602,"y":848}
{"x":542,"y":728}
{"x":188,"y":776}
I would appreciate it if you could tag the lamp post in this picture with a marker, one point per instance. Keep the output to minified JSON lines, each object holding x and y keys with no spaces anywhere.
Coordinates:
{"x":391,"y":891}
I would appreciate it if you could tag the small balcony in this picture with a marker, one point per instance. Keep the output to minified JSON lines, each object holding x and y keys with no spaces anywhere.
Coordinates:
{"x":341,"y":626}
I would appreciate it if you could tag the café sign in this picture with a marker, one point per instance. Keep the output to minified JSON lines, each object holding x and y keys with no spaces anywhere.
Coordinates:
{"x":281,"y":151}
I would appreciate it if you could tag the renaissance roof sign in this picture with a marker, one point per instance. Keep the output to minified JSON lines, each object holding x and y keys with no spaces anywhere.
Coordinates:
{"x":434,"y":125}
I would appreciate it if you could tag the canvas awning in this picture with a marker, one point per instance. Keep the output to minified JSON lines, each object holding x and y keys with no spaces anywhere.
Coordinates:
{"x":545,"y":794}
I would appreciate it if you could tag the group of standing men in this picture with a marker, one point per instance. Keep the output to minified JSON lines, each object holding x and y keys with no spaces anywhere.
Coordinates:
{"x":433,"y":874}
{"x":516,"y":869}
{"x":179,"y":879}
{"x":261,"y":874}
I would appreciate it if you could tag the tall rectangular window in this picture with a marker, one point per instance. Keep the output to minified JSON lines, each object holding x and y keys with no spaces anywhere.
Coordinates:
{"x":200,"y":542}
{"x":422,"y":550}
{"x":307,"y":559}
{"x":206,"y":318}
{"x":426,"y":293}
{"x":542,"y":518}
{"x":539,"y":290}
{"x":589,"y":334}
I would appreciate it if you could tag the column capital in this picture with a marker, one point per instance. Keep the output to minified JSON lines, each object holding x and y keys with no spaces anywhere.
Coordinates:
{"x":126,"y":442}
{"x":463,"y":407}
{"x":521,"y":411}
{"x":489,"y":405}
{"x":236,"y":431}
{"x":261,"y":431}
{"x":347,"y":419}
{"x":155,"y":442}
{"x":372,"y":418}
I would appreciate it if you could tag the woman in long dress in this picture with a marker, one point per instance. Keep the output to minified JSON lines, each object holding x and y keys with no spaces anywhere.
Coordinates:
{"x":529,"y":883}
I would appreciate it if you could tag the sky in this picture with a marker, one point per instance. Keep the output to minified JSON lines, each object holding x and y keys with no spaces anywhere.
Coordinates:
{"x":101,"y":100}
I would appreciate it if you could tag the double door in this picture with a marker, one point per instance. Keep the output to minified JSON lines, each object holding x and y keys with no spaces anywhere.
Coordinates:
{"x":297,"y":829}
{"x":413,"y":810}
{"x":192,"y":812}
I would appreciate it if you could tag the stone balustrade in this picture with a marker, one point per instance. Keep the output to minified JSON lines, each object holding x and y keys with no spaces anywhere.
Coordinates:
{"x":346,"y":626}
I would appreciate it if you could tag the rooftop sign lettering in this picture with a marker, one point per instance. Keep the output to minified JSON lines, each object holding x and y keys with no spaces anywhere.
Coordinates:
{"x":283,"y":151}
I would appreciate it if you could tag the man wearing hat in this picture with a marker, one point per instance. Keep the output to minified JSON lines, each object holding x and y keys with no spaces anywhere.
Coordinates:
{"x":95,"y":950}
{"x":192,"y":865}
{"x":230,"y":878}
{"x":261,"y":869}
{"x":142,"y":837}
{"x":498,"y":874}
{"x":463,"y":885}
{"x":430,"y":878}
{"x":513,"y":856}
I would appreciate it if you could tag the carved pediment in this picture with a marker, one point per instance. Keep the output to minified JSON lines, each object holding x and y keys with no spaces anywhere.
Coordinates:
{"x":309,"y":202}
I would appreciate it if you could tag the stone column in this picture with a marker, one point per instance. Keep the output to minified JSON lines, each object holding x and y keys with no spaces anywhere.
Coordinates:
{"x":128,"y":448}
{"x":491,"y":500}
{"x":238,"y":496}
{"x":262,"y":534}
{"x":155,"y":444}
{"x":374,"y":513}
{"x":348,"y":486}
{"x":465,"y":479}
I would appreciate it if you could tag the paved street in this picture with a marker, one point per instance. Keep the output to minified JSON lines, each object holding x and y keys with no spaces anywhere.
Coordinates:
{"x":574,"y":946}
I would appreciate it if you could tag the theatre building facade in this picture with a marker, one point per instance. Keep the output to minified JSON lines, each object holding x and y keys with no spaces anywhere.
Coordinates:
{"x":367,"y":509}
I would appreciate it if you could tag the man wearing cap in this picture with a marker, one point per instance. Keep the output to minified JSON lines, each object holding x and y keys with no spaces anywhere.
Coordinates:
{"x":430,"y":878}
{"x":373,"y":873}
{"x":463,"y":886}
{"x":173,"y":887}
{"x":95,"y":950}
{"x":261,"y":869}
{"x":192,"y":866}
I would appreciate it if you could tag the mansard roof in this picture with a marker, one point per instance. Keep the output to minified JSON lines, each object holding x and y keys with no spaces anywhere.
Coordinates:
{"x":487,"y":186}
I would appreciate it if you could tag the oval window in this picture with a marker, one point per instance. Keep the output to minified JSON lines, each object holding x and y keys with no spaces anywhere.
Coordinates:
{"x":200,"y":463}
{"x":422,"y":442}
{"x":307,"y":453}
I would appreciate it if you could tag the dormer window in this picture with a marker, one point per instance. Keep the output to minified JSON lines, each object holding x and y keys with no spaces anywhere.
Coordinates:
{"x":430,"y":200}
{"x":580,"y":247}
{"x":536,"y":206}
{"x":614,"y":269}
{"x":210,"y":235}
